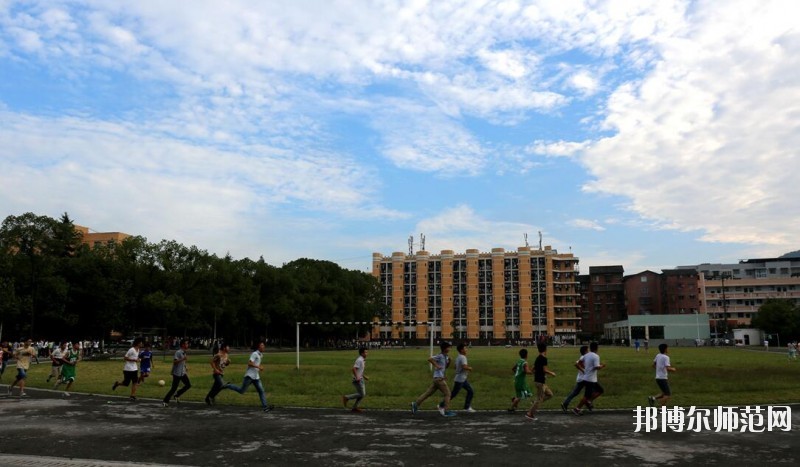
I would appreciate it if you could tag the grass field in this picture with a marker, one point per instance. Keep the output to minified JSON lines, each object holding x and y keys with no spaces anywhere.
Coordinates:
{"x":708,"y":376}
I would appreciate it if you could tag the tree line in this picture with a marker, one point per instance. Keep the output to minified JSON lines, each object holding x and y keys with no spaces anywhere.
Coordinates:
{"x":54,"y":286}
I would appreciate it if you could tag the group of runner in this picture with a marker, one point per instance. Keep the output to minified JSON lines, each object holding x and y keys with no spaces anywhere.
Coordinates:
{"x":133,"y":375}
{"x":587,"y":365}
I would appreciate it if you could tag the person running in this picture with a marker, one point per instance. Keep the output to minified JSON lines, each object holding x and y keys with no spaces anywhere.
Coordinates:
{"x":24,"y":355}
{"x":69,"y":359}
{"x":359,"y":379}
{"x":56,"y":358}
{"x":593,"y":390}
{"x":460,"y":380}
{"x":440,"y":363}
{"x":578,"y":380}
{"x":540,"y":372}
{"x":521,"y":388}
{"x":662,"y":365}
{"x":179,"y":374}
{"x":218,"y":363}
{"x":130,"y":372}
{"x":253,"y":376}
{"x":145,"y":362}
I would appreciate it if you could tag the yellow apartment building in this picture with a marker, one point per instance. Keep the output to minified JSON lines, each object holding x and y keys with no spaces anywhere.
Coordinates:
{"x":94,"y":239}
{"x":499,"y":295}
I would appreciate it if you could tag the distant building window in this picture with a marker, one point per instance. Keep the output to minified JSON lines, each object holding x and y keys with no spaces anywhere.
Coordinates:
{"x":644,"y":278}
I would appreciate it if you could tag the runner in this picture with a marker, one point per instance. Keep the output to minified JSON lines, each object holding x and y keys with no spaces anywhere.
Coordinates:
{"x":218,"y":363}
{"x":146,"y":363}
{"x":24,"y":355}
{"x":359,"y":381}
{"x":56,"y":357}
{"x":253,"y":376}
{"x":440,"y":363}
{"x":70,"y":361}
{"x":130,"y":371}
{"x":179,"y":375}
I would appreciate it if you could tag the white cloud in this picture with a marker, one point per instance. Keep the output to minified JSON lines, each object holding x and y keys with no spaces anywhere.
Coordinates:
{"x":587,"y":224}
{"x":708,"y":139}
{"x":557,"y":149}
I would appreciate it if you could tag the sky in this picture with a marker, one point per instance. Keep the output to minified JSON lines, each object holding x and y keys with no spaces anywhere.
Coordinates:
{"x":647,"y":134}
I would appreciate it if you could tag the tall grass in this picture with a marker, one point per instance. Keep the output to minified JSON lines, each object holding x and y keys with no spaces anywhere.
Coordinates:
{"x":705,"y":377}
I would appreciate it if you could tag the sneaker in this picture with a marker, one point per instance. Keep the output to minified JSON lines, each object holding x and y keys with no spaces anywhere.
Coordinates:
{"x":66,"y":394}
{"x":23,"y":394}
{"x":651,"y":400}
{"x":530,"y":417}
{"x":344,"y":401}
{"x":268,"y":408}
{"x":449,"y":413}
{"x":164,"y":404}
{"x":577,"y":411}
{"x":132,"y":398}
{"x":441,"y":410}
{"x":564,"y":407}
{"x":470,"y":410}
{"x":114,"y":386}
{"x":356,"y":410}
{"x":413,"y":405}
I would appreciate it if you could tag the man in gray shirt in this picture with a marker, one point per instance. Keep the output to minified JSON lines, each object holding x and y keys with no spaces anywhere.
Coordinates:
{"x":179,"y":374}
{"x":460,"y":381}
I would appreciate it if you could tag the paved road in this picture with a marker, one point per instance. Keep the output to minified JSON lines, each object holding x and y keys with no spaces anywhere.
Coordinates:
{"x":48,"y":429}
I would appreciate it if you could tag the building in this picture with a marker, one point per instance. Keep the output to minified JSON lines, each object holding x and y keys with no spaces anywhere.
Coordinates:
{"x":94,"y":239}
{"x":602,"y":299}
{"x":644,"y":293}
{"x":684,"y":329}
{"x":526,"y":294}
{"x":671,"y":292}
{"x":732,"y":293}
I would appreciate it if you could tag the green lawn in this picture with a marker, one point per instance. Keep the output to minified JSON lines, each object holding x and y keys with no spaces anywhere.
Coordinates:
{"x":706,"y":377}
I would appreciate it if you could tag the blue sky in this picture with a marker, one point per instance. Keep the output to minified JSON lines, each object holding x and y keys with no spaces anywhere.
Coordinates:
{"x":646,"y":134}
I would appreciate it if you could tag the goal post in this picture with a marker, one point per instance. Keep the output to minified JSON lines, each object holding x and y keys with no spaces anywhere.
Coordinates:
{"x":357,"y":323}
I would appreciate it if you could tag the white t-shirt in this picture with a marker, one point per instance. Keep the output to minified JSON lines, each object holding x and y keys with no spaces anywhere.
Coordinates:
{"x":134,"y":364}
{"x":253,"y":372}
{"x":359,"y":366}
{"x":662,"y":362}
{"x":580,"y":373}
{"x":591,"y":361}
{"x":461,"y":373}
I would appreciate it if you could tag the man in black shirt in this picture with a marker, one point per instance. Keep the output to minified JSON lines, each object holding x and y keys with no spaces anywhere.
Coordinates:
{"x":540,"y":372}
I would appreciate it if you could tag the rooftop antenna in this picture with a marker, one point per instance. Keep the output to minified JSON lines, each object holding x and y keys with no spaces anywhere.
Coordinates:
{"x":526,"y":239}
{"x":410,"y":245}
{"x":422,"y":241}
{"x":540,"y":240}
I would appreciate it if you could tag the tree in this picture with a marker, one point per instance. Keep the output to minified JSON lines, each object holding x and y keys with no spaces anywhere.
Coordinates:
{"x":778,"y":316}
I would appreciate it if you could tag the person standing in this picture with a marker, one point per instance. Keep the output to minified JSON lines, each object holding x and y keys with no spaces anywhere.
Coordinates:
{"x":130,"y":372}
{"x":253,"y":376}
{"x":521,"y":388}
{"x":359,"y":379}
{"x":578,"y":380}
{"x":24,"y":355}
{"x":460,"y":380}
{"x":540,"y":372}
{"x":218,"y":363}
{"x":56,"y":359}
{"x":145,"y":362}
{"x":440,"y":363}
{"x":179,"y":374}
{"x":593,"y":390}
{"x":69,"y":359}
{"x":662,"y":365}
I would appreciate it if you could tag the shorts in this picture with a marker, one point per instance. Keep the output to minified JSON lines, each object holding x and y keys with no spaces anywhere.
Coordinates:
{"x":663,"y":384}
{"x":523,"y":391}
{"x":21,"y":373}
{"x":130,"y":377}
{"x":145,"y":371}
{"x":592,"y":388}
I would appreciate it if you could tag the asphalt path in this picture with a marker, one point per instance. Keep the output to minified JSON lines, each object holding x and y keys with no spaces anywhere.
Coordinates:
{"x":45,"y":428}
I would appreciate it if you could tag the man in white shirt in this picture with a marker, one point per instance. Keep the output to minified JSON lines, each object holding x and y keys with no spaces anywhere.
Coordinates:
{"x":593,"y":390}
{"x":253,"y":376}
{"x":460,"y":380}
{"x":662,"y":365}
{"x":130,"y":371}
{"x":359,"y":379}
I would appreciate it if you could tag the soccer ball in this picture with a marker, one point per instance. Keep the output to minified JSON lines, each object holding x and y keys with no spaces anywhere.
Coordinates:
{"x":161,"y":382}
